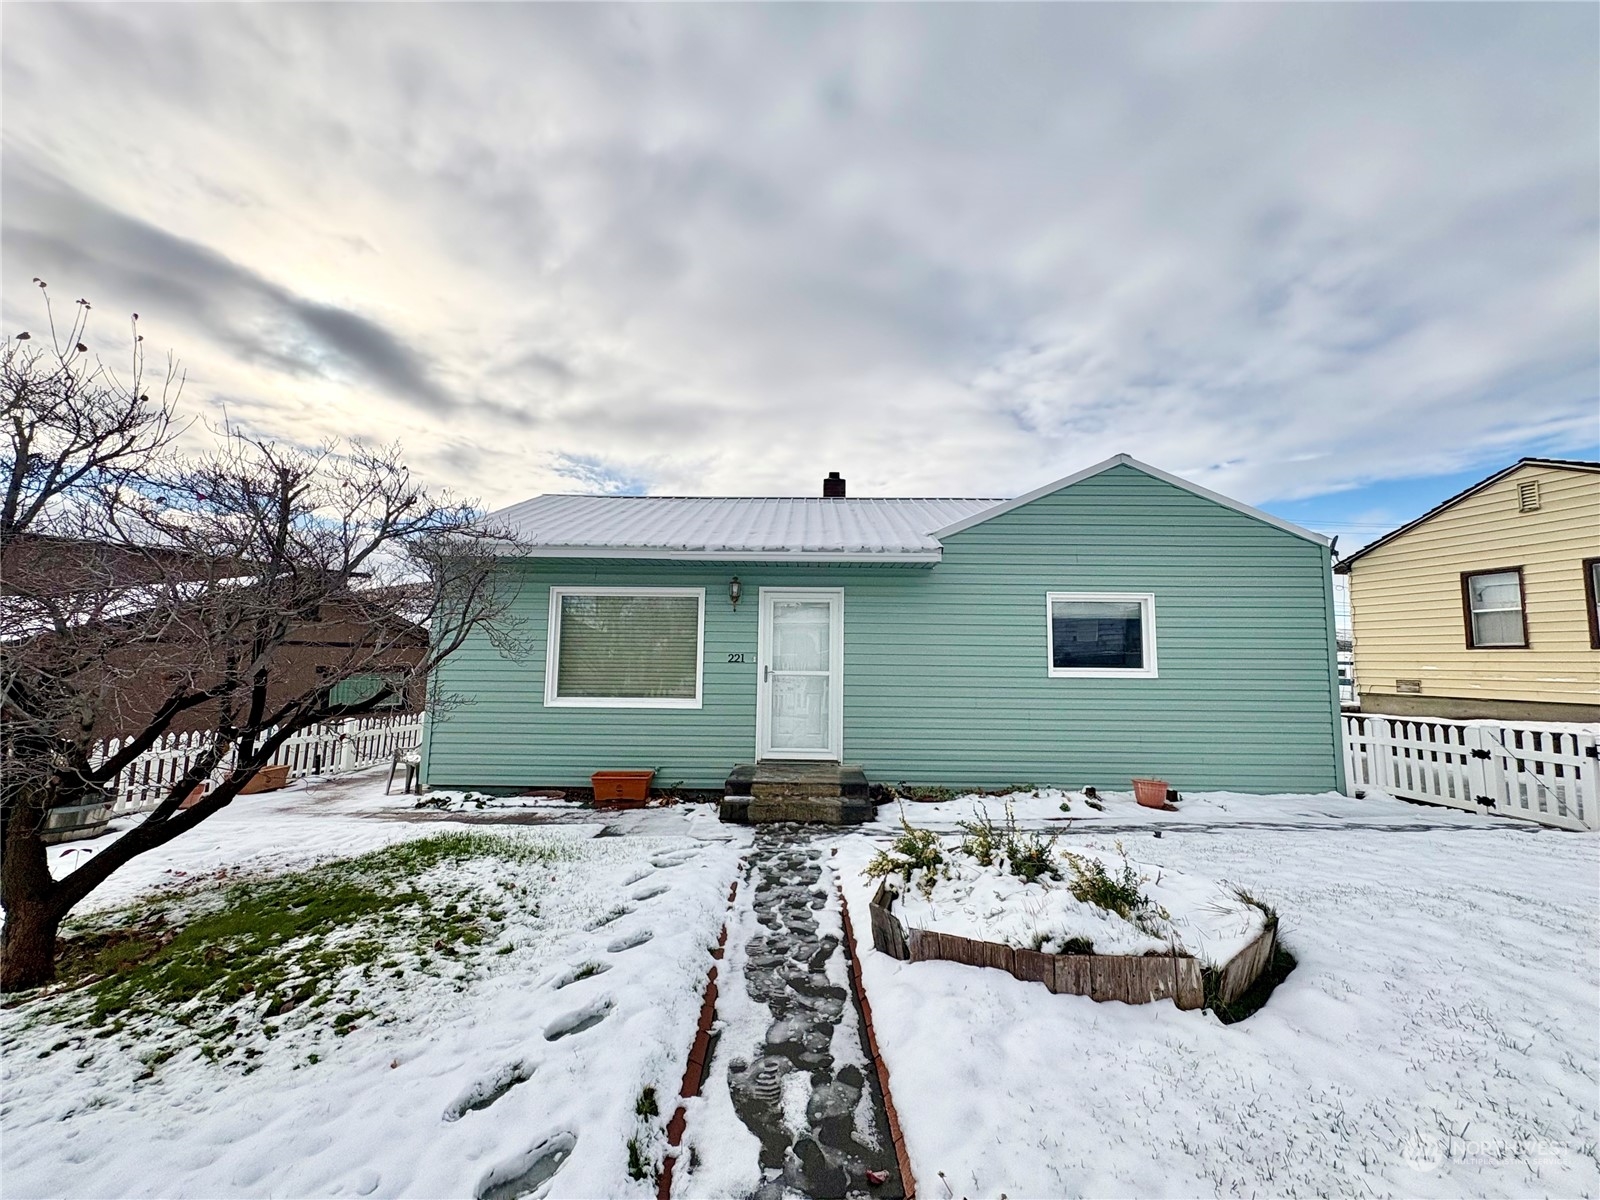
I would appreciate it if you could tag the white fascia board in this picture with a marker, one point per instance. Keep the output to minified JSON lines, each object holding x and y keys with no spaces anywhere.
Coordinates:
{"x":663,"y":554}
{"x":1127,"y":460}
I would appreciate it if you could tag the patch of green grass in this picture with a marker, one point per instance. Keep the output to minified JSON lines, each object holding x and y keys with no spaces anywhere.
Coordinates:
{"x":203,"y":959}
{"x":646,"y":1105}
{"x":638,"y":1163}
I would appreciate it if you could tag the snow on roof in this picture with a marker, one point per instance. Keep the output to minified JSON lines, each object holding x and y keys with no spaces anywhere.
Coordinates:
{"x":735,"y":527}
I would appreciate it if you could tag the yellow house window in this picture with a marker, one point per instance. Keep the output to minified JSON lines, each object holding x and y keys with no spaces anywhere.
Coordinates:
{"x":1492,"y":604}
{"x":1591,"y":589}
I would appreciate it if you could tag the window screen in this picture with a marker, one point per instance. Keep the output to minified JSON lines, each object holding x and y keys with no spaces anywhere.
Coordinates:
{"x":628,"y":646}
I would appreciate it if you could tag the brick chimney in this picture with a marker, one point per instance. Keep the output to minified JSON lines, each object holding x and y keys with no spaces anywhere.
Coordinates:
{"x":833,"y":487}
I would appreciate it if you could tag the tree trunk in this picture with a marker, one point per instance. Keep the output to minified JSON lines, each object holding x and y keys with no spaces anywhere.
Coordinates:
{"x":31,"y":897}
{"x":28,"y":945}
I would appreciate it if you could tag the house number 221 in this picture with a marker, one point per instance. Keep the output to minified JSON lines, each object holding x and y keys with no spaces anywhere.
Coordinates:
{"x":738,"y":658}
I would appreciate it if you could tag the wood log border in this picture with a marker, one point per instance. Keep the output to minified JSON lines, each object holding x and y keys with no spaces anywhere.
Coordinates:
{"x":1133,"y":979}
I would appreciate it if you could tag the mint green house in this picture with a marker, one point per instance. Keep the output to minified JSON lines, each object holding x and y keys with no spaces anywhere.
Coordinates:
{"x":1120,"y":622}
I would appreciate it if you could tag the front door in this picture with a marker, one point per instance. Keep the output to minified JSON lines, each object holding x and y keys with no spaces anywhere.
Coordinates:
{"x":800,"y":674}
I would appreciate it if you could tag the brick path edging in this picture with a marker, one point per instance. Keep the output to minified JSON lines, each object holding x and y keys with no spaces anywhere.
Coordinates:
{"x":694,"y":1072}
{"x":908,"y":1181}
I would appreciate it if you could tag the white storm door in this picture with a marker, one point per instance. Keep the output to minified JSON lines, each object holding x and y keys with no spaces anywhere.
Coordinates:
{"x":800,"y":674}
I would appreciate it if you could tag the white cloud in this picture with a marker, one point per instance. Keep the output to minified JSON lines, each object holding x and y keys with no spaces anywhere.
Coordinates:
{"x":1283,"y":249}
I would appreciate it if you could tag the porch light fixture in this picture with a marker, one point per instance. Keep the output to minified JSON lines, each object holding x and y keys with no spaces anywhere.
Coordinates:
{"x":735,"y":590}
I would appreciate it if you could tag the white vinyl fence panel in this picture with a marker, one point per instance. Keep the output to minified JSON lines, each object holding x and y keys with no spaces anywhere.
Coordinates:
{"x":1546,"y":773}
{"x":327,"y":749}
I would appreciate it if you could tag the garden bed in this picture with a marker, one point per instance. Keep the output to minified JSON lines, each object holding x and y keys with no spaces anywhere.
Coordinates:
{"x":1084,"y":923}
{"x":1133,"y":979}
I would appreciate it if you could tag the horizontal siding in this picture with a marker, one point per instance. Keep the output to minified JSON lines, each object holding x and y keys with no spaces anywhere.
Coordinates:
{"x":1405,"y":597}
{"x":945,"y":666}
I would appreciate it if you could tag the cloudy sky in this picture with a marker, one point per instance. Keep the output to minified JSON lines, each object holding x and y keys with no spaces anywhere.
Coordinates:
{"x":1337,"y":260}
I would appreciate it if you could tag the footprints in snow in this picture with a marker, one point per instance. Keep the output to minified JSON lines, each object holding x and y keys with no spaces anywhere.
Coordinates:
{"x":527,"y":1172}
{"x":619,"y":911}
{"x":629,"y":940}
{"x":582,"y":971}
{"x":606,"y":918}
{"x":579,"y":1019}
{"x":490,"y":1088}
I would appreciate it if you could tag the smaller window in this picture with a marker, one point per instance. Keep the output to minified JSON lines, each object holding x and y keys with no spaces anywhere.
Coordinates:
{"x":358,"y":689}
{"x":1528,"y":496}
{"x":1494,"y":609}
{"x":1109,"y":635}
{"x":1591,"y":588}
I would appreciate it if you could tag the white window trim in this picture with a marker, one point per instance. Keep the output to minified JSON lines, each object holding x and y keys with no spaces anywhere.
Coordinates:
{"x":552,"y":664}
{"x":1147,"y":612}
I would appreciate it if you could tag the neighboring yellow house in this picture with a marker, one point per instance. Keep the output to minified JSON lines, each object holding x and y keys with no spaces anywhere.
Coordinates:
{"x":1488,"y":605}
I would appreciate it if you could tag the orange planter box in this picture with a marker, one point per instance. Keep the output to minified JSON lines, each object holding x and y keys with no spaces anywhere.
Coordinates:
{"x":268,"y":779}
{"x":611,"y":787}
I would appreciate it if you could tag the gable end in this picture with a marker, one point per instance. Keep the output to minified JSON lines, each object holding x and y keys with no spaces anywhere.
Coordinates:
{"x":1342,"y":567}
{"x":1127,"y":460}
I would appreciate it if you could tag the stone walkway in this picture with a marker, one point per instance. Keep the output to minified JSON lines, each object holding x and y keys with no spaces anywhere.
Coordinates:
{"x":812,"y":1097}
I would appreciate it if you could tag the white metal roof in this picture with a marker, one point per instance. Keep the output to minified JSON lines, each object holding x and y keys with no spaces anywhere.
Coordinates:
{"x":734,"y":527}
{"x":774,"y":528}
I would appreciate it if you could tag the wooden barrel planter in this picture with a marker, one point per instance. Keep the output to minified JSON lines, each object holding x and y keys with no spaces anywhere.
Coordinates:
{"x":71,"y":822}
{"x":1133,"y":979}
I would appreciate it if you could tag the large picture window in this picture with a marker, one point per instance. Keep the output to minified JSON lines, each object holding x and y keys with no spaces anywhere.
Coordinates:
{"x":1102,"y":634}
{"x":625,"y":647}
{"x":1493,"y":606}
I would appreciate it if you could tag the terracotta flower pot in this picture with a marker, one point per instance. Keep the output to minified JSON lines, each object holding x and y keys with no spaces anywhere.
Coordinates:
{"x":1152,"y":793}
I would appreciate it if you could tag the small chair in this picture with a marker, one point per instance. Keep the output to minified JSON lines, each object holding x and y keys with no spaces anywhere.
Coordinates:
{"x":411,"y":760}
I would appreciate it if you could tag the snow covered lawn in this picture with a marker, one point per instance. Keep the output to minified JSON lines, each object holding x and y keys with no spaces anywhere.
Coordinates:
{"x":1438,"y":1038}
{"x":462,"y":1008}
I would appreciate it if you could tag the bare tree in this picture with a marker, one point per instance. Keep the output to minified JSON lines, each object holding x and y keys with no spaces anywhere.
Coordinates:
{"x":141,"y":587}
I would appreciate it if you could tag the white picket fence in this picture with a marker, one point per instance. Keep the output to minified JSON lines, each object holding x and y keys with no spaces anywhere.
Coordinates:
{"x":1547,"y":773}
{"x":327,"y":749}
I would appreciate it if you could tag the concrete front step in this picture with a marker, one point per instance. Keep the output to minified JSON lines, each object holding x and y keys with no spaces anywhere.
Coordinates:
{"x":787,"y":780}
{"x":813,"y":810}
